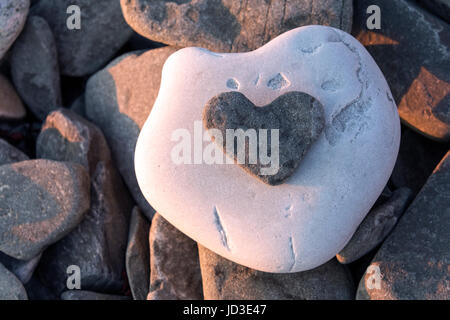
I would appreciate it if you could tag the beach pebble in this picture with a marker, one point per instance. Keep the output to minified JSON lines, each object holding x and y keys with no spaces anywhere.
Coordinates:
{"x":118,"y":100}
{"x":225,"y":280}
{"x":97,"y":245}
{"x":13,"y":14}
{"x":11,"y":107}
{"x":34,"y":67}
{"x":102,"y":32}
{"x":138,"y":255}
{"x":307,"y":220}
{"x":376,"y":226}
{"x":230,"y":26}
{"x":10,"y":287}
{"x":44,"y":201}
{"x":175,"y":269}
{"x":10,"y":154}
{"x":413,"y":262}
{"x":412,"y":50}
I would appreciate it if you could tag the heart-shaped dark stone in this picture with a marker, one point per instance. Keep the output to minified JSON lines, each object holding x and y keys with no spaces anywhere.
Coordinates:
{"x":298,"y":117}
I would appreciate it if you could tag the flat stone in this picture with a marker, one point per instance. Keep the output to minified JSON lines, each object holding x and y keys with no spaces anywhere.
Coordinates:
{"x":89,"y":295}
{"x":376,"y":226}
{"x":174,"y":264}
{"x":412,"y":51}
{"x":42,"y":201}
{"x":23,"y":270}
{"x":98,"y":244}
{"x":413,"y":261}
{"x":10,"y":287}
{"x":66,"y":136}
{"x":242,"y":26}
{"x":118,"y":100}
{"x":288,"y":227}
{"x":225,"y":280}
{"x":298,"y":117}
{"x":103,"y":32}
{"x":11,"y":107}
{"x":138,"y":255}
{"x":10,"y":154}
{"x":13,"y":14}
{"x":34,"y":67}
{"x":438,"y":7}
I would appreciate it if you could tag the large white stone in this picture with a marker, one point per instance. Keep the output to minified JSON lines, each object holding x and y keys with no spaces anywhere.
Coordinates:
{"x":304,"y":222}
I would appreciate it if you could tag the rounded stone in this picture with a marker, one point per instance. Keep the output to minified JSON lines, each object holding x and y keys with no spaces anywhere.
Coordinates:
{"x":305,"y":221}
{"x":13,"y":14}
{"x":11,"y":107}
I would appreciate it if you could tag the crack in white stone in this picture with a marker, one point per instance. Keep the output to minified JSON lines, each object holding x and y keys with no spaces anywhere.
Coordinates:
{"x":293,"y":253}
{"x":221,"y":229}
{"x":340,"y":119}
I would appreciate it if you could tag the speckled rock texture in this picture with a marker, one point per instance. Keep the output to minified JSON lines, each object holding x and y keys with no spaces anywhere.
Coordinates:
{"x":13,"y":14}
{"x":118,"y":100}
{"x":10,"y":287}
{"x":44,"y":200}
{"x":102,"y":33}
{"x":225,"y":280}
{"x":297,"y":118}
{"x":229,"y":25}
{"x":174,"y":264}
{"x":34,"y":67}
{"x":412,"y":50}
{"x":413,"y":262}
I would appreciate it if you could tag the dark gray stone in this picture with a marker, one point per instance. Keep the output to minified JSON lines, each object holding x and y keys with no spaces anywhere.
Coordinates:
{"x":41,"y":202}
{"x":10,"y":287}
{"x":298,"y":117}
{"x":118,"y":100}
{"x":34,"y":67}
{"x":98,"y":244}
{"x":417,"y":158}
{"x":229,"y":25}
{"x":103,"y":32}
{"x":226,"y":280}
{"x":36,"y":290}
{"x":376,"y":226}
{"x":89,"y":295}
{"x":174,"y":264}
{"x":23,"y":270}
{"x":413,"y":262}
{"x":66,"y":136}
{"x":138,"y":255}
{"x":438,"y":7}
{"x":411,"y":49}
{"x":10,"y":154}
